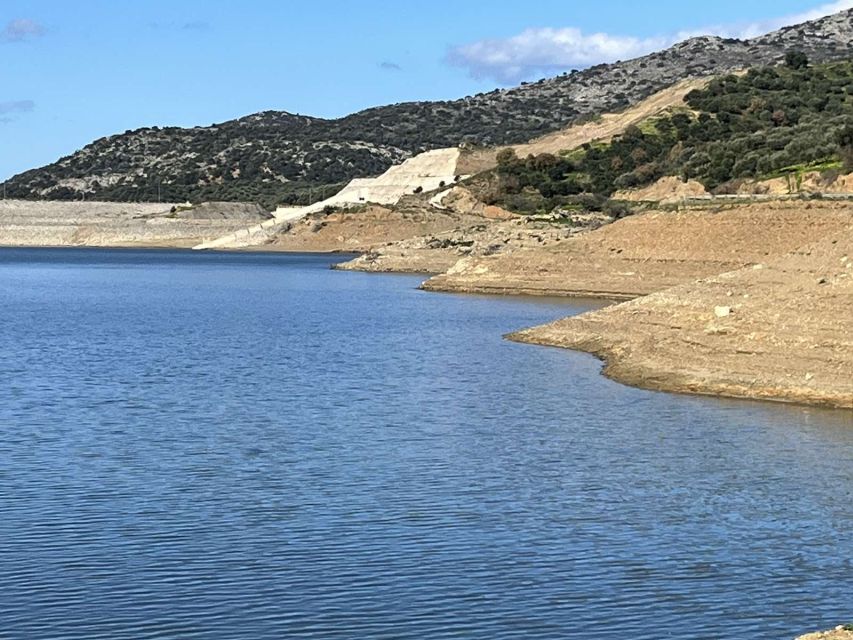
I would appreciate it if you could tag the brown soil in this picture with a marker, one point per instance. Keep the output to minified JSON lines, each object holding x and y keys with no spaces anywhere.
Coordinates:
{"x":363,"y":230}
{"x":667,"y":189}
{"x":780,"y":331}
{"x":646,"y":253}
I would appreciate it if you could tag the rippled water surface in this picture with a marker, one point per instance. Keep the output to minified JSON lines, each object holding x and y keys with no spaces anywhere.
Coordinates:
{"x":254,"y":446}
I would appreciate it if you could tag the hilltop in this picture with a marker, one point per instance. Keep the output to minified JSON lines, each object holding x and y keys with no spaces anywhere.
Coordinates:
{"x":278,"y":157}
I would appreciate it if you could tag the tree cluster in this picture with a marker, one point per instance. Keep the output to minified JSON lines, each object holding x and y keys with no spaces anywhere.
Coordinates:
{"x":770,"y":121}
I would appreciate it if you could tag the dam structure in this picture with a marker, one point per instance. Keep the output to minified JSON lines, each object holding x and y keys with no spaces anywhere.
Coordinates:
{"x":425,"y":172}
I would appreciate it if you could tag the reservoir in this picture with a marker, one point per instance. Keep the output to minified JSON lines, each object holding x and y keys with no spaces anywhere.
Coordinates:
{"x":252,"y":445}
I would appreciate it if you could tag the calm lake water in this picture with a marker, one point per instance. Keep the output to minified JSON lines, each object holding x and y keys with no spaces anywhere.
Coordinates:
{"x":254,"y":446}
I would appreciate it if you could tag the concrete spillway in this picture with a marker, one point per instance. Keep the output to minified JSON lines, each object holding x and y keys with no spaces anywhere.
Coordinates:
{"x":426,"y":171}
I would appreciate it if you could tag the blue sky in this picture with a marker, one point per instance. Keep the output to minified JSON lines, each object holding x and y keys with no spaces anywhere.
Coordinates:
{"x":73,"y":71}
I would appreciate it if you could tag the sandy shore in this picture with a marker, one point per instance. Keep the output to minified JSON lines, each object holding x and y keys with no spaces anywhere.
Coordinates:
{"x":781,"y":331}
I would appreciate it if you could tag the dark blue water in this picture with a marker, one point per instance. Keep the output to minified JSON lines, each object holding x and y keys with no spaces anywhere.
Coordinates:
{"x":253,"y":446}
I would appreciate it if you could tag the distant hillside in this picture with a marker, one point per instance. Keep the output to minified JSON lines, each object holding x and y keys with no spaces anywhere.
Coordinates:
{"x":766,"y":123}
{"x":275,"y":157}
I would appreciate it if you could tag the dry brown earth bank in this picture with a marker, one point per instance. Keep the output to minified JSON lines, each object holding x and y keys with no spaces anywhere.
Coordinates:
{"x":780,"y":331}
{"x":645,"y":253}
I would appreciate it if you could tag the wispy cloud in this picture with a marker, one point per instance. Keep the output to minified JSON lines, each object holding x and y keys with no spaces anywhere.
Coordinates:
{"x":390,"y":66}
{"x":195,"y":25}
{"x":10,"y":109}
{"x":20,"y":30}
{"x":190,"y":25}
{"x":549,"y":50}
{"x":17,"y":106}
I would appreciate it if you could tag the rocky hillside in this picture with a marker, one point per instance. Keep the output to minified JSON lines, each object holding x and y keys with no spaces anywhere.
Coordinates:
{"x":278,"y":157}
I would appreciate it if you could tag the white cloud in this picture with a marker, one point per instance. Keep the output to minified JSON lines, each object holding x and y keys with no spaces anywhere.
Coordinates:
{"x":20,"y":30}
{"x":547,"y":50}
{"x":550,"y":50}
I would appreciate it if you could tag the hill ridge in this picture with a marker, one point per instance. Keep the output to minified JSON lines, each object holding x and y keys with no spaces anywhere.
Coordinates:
{"x":277,"y":157}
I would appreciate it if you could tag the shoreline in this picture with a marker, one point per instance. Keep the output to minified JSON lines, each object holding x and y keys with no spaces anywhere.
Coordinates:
{"x":658,"y":270}
{"x":181,"y":248}
{"x":533,"y":292}
{"x":619,"y":370}
{"x":779,"y":332}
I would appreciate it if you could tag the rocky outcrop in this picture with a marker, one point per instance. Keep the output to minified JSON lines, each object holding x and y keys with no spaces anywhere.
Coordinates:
{"x":461,"y":201}
{"x":363,"y":230}
{"x":435,"y":253}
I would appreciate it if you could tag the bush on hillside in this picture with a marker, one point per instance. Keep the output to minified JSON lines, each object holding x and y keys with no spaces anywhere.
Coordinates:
{"x":845,"y":146}
{"x":770,"y":121}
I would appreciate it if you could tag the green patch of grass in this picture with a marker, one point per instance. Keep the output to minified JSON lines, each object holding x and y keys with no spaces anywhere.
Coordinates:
{"x":821,"y":165}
